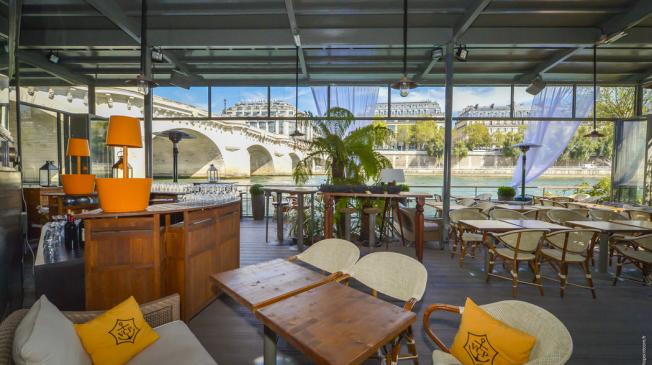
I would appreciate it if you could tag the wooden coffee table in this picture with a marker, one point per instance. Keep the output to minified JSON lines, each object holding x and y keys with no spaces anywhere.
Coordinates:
{"x":259,"y":285}
{"x":333,"y":324}
{"x":607,"y":229}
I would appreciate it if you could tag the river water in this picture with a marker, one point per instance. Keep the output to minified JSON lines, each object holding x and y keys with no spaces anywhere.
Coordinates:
{"x":461,"y":185}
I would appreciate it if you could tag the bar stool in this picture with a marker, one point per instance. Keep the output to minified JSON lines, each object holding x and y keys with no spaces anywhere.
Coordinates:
{"x":347,"y":221}
{"x":372,"y":225}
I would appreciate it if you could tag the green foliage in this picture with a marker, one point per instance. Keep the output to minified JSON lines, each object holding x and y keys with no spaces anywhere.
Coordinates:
{"x":404,"y":187}
{"x":477,"y":135}
{"x":460,"y":150}
{"x":601,"y":188}
{"x":506,"y":141}
{"x":506,"y":191}
{"x":256,"y":189}
{"x":350,"y":159}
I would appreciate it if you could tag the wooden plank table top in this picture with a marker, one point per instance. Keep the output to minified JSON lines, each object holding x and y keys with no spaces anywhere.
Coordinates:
{"x":258,"y":285}
{"x":609,"y":227}
{"x":336,"y":324}
{"x":517,"y":207}
{"x":634,"y":223}
{"x":403,"y":194}
{"x":489,"y":225}
{"x":291,"y":189}
{"x":535,"y":224}
{"x":440,"y":206}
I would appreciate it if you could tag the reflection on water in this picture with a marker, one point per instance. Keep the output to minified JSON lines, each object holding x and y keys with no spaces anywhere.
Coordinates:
{"x":462,"y":185}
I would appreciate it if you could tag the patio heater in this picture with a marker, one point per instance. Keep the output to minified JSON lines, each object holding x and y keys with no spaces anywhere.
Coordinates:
{"x":175,"y":136}
{"x":405,"y":84}
{"x":524,"y":147}
{"x":594,"y":133}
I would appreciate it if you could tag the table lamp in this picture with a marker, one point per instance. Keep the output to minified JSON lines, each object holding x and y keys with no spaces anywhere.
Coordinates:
{"x":78,"y":183}
{"x":125,"y":194}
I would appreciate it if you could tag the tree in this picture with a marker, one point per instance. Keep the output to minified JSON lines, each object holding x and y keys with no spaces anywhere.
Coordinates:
{"x":350,"y":157}
{"x":506,"y":142}
{"x":429,"y":137}
{"x":460,"y":150}
{"x":477,"y":135}
{"x":405,"y":135}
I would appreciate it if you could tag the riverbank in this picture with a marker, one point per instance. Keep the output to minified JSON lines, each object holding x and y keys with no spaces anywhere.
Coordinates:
{"x":571,"y":172}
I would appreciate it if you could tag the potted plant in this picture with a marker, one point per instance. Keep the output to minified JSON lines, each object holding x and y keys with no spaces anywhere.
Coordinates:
{"x":506,"y":193}
{"x":257,"y":201}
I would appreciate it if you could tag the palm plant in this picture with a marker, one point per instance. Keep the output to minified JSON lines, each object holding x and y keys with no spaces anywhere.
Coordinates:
{"x":349,"y":155}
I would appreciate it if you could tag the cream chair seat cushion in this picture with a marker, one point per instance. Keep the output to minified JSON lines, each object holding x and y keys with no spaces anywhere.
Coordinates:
{"x":522,"y":256}
{"x":556,"y":254}
{"x":471,"y":237}
{"x":176,"y":345}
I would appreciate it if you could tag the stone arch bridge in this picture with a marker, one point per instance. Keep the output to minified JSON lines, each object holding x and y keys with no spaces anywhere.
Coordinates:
{"x":235,"y":148}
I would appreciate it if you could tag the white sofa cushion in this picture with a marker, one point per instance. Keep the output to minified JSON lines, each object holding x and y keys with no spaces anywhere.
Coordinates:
{"x":46,"y":336}
{"x":176,"y":345}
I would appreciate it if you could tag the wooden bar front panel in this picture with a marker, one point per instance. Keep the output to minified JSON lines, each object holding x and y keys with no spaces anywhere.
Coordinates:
{"x":207,"y":242}
{"x":122,"y":258}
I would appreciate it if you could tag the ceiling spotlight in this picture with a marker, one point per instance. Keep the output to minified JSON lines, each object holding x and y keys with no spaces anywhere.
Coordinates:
{"x":536,"y":86}
{"x":461,"y":53}
{"x":157,"y":55}
{"x":53,"y":57}
{"x":437,"y":53}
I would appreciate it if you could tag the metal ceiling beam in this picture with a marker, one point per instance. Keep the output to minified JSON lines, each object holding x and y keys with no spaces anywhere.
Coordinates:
{"x":39,"y":60}
{"x":112,"y":11}
{"x":289,"y":8}
{"x":462,"y":25}
{"x":616,"y":24}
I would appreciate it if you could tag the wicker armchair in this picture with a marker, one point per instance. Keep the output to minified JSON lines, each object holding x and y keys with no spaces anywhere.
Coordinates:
{"x":561,"y":216}
{"x":639,"y":215}
{"x":483,"y":197}
{"x":554,"y":345}
{"x":506,"y":214}
{"x":484,"y":206}
{"x":461,"y":235}
{"x":638,"y":252}
{"x":467,"y":202}
{"x":572,"y":247}
{"x":156,"y":313}
{"x":331,"y":255}
{"x":605,"y":215}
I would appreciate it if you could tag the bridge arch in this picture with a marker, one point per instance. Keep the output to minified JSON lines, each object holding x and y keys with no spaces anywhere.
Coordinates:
{"x":295,"y":159}
{"x":195,"y":155}
{"x":260,"y":161}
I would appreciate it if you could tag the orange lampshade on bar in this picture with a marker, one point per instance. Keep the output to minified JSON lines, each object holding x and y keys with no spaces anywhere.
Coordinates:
{"x":78,"y":147}
{"x":124,"y":131}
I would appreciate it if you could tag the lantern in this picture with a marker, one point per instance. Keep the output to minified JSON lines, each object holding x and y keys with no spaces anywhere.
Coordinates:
{"x":117,"y":170}
{"x":49,"y":174}
{"x":212,"y":174}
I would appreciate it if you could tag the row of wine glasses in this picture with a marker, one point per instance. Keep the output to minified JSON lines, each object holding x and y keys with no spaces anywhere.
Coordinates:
{"x":210,"y":194}
{"x":53,"y":238}
{"x":172,"y":188}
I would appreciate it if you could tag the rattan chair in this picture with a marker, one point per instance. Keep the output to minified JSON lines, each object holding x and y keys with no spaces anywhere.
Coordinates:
{"x":506,"y":214}
{"x":562,"y":199}
{"x":636,"y":251}
{"x":483,"y":197}
{"x":397,"y":276}
{"x":572,"y":247}
{"x":513,"y":248}
{"x":582,"y":211}
{"x":484,"y":206}
{"x":605,"y":215}
{"x":580,"y":197}
{"x":532,"y":214}
{"x":461,"y":234}
{"x":561,"y":216}
{"x":554,"y":344}
{"x":546,"y":202}
{"x":467,"y":202}
{"x":331,"y":255}
{"x":638,"y":215}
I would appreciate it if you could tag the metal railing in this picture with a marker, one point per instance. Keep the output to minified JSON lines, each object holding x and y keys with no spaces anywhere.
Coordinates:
{"x":456,"y":190}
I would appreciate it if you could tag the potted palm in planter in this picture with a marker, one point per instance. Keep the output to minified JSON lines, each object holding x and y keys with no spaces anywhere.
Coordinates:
{"x":257,"y":201}
{"x":506,"y":193}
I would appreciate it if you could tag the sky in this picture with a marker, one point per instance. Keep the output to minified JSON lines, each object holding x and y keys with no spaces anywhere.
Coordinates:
{"x":462,"y":96}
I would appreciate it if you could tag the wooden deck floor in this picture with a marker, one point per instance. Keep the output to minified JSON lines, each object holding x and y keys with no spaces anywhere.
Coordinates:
{"x":607,"y":330}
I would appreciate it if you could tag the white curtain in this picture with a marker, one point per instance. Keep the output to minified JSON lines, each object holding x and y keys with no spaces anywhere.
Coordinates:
{"x":629,"y":157}
{"x":359,"y":100}
{"x":553,"y":137}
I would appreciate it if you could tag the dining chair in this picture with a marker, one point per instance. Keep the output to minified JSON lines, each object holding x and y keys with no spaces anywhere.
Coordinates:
{"x":546,"y":202}
{"x":562,"y":199}
{"x":532,"y":214}
{"x":483,"y":197}
{"x":484,"y":206}
{"x":554,"y":345}
{"x":512,"y":248}
{"x":331,"y":255}
{"x":506,"y":214}
{"x":638,"y":215}
{"x":462,"y":235}
{"x":580,"y":197}
{"x":406,"y":226}
{"x":605,"y":215}
{"x":561,"y":216}
{"x":583,"y":211}
{"x":467,"y":202}
{"x":636,"y":251}
{"x":571,"y":247}
{"x":399,"y":277}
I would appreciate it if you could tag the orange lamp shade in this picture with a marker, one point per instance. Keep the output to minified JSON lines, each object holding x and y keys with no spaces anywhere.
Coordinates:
{"x":78,"y":147}
{"x":124,"y":131}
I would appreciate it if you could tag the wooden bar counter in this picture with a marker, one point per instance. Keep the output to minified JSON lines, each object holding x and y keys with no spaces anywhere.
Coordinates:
{"x":168,"y":248}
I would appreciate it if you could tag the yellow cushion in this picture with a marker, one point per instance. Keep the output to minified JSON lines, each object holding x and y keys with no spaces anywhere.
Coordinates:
{"x":482,"y":339}
{"x":117,"y":335}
